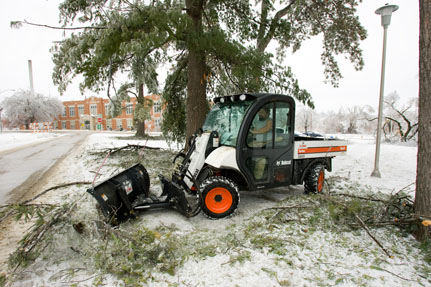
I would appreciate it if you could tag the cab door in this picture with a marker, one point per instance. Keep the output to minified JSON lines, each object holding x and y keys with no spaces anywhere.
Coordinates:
{"x":265,"y":143}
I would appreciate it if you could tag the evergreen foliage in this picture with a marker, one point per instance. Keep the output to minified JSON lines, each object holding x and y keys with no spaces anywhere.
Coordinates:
{"x":215,"y":47}
{"x":174,"y":99}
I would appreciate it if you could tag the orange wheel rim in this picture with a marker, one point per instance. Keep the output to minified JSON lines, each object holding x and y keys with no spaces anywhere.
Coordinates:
{"x":218,"y":200}
{"x":320,"y":181}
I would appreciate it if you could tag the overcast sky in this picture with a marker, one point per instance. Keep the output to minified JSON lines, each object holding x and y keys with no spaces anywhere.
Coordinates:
{"x":356,"y":88}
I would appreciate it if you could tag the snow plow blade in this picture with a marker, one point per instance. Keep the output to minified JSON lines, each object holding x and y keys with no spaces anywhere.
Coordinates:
{"x":123,"y":194}
{"x":118,"y":194}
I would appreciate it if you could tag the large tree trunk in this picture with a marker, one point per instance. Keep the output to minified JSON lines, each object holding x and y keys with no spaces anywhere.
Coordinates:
{"x":423,"y":179}
{"x":196,"y":104}
{"x":140,"y":125}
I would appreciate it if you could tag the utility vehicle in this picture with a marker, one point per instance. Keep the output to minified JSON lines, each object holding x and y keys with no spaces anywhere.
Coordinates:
{"x":246,"y":143}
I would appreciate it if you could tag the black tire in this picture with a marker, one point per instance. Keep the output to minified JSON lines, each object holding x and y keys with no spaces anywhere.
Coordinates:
{"x":220,"y":197}
{"x":314,"y":181}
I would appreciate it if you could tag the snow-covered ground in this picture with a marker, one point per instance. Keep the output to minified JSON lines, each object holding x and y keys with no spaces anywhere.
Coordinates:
{"x":258,"y":246}
{"x":397,"y":164}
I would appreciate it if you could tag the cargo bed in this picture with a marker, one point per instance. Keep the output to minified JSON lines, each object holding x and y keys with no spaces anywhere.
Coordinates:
{"x":314,"y":147}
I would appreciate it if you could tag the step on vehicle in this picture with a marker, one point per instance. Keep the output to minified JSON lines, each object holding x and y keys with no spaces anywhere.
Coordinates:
{"x":248,"y":142}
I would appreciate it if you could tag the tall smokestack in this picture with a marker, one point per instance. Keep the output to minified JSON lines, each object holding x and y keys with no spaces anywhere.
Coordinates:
{"x":30,"y":74}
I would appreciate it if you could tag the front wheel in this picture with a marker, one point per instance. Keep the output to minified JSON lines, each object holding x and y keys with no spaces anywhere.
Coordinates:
{"x":220,"y":197}
{"x":314,"y":181}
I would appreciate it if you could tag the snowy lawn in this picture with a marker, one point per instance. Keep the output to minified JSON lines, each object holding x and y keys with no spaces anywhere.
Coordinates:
{"x":278,"y":237}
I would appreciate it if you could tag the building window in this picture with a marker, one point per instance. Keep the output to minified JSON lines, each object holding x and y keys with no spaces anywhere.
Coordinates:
{"x":129,"y":124}
{"x":109,"y":124}
{"x":63,"y":125}
{"x":72,"y":111}
{"x":72,"y":125}
{"x":106,"y":109}
{"x":93,"y":109}
{"x":129,"y":109}
{"x":119,"y":124}
{"x":80,"y":110}
{"x":157,"y":107}
{"x":55,"y":125}
{"x":64,"y":112}
{"x":157,"y":123}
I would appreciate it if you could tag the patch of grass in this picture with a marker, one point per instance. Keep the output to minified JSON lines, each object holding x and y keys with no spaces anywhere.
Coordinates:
{"x":270,"y":272}
{"x":272,"y":243}
{"x":3,"y":279}
{"x":240,"y":257}
{"x":202,"y":248}
{"x":426,"y":249}
{"x":134,"y":256}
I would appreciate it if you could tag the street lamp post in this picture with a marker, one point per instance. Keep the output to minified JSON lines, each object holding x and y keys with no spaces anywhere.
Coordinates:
{"x":385,"y":12}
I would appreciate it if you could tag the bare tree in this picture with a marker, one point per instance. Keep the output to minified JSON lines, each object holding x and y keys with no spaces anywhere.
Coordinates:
{"x":332,"y":122}
{"x":401,"y":119}
{"x":26,"y":107}
{"x":304,"y":119}
{"x":353,"y":116}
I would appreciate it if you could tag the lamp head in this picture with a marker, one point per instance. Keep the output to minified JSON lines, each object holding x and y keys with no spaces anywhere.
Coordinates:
{"x":386,"y":13}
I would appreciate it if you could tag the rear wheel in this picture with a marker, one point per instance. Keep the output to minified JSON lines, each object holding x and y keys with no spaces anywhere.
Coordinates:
{"x":314,"y":181}
{"x":220,"y":197}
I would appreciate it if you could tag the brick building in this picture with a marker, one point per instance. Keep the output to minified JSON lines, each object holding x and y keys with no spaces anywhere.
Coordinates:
{"x":92,"y":114}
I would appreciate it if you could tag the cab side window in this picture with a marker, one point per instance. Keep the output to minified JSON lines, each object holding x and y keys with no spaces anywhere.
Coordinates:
{"x":282,"y":124}
{"x":261,"y":133}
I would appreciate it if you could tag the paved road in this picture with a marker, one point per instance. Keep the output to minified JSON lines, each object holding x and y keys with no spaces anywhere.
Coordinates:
{"x":28,"y":165}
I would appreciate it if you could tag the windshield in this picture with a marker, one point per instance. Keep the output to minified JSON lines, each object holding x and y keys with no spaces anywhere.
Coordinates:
{"x":226,"y":119}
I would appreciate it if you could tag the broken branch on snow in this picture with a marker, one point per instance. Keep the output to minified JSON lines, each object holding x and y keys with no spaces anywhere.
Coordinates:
{"x":26,"y":202}
{"x":362,"y":224}
{"x":127,"y":147}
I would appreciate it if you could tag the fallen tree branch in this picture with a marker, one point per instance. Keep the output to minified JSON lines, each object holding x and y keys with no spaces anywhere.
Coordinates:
{"x":281,"y":209}
{"x":108,"y":229}
{"x":360,"y":197}
{"x":409,"y":221}
{"x":28,"y":243}
{"x":55,"y":187}
{"x":26,"y":202}
{"x":80,"y":281}
{"x":396,"y":275}
{"x":362,"y":224}
{"x":128,"y":147}
{"x":31,"y":204}
{"x":394,"y":196}
{"x":290,"y":207}
{"x":404,"y":188}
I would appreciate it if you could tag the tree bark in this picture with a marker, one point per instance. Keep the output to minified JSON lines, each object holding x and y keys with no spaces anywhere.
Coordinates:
{"x":196,"y":103}
{"x":423,"y":178}
{"x":140,"y":125}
